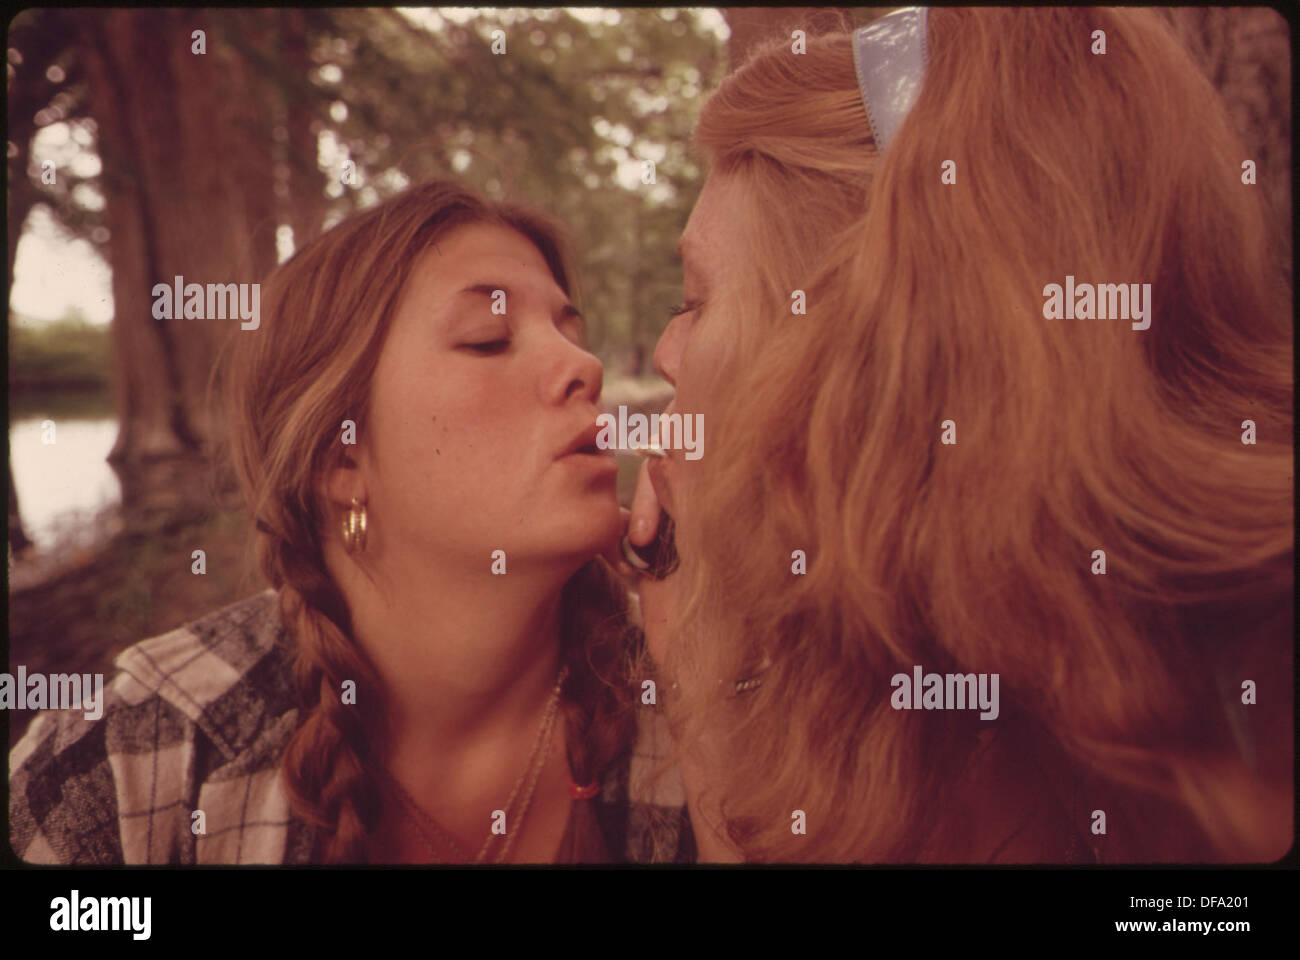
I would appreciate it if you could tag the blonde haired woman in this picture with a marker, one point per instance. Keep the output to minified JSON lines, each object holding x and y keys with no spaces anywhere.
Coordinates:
{"x":443,"y":670}
{"x":921,"y":469}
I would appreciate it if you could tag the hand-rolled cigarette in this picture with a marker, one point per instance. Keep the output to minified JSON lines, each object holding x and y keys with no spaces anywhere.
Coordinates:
{"x":650,"y":451}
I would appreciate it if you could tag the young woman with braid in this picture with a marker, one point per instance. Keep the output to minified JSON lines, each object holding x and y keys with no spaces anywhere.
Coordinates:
{"x":442,"y":670}
{"x":921,"y":185}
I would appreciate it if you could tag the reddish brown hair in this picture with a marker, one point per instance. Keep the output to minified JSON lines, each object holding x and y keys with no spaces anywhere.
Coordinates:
{"x":925,"y":303}
{"x":288,"y":386}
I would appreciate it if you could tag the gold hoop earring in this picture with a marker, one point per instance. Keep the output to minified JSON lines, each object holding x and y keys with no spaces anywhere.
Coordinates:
{"x":354,"y":527}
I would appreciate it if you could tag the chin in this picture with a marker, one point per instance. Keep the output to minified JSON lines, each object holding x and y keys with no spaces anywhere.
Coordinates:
{"x":592,"y":524}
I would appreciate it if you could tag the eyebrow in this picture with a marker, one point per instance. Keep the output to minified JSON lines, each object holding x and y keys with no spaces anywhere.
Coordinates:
{"x":490,"y":289}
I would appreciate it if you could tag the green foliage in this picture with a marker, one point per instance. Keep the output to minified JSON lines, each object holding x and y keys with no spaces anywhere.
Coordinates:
{"x":547,"y":122}
{"x":412,"y":95}
{"x":66,"y":354}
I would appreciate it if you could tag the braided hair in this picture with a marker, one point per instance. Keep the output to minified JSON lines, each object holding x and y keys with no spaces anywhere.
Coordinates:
{"x":287,"y":387}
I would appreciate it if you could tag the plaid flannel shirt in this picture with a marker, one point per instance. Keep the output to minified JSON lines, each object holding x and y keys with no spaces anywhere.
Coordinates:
{"x":198,"y":719}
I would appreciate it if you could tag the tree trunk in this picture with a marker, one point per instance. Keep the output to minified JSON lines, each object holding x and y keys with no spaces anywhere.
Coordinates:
{"x":1246,"y":54}
{"x":306,"y":184}
{"x":18,"y":539}
{"x":188,"y":190}
{"x":20,"y":199}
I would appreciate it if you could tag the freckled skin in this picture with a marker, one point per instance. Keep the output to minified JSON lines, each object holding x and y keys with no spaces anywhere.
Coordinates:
{"x":503,"y":417}
{"x":468,"y":650}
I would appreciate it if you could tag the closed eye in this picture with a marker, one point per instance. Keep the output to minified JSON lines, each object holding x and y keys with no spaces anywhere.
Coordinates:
{"x":488,"y":347}
{"x":574,"y":329}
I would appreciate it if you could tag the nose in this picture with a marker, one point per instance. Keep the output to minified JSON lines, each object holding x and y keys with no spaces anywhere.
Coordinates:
{"x":668,"y":351}
{"x":580,"y":374}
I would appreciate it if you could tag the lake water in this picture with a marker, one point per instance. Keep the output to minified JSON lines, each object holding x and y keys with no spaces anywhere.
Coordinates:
{"x":64,"y":488}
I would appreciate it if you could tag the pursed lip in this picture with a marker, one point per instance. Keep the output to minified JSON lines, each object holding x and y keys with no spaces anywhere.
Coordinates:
{"x":584,"y":442}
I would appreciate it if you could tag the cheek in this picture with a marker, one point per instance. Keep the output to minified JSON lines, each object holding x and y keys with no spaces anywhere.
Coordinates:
{"x":461,"y":423}
{"x":704,"y":354}
{"x":443,"y":455}
{"x":429,"y":419}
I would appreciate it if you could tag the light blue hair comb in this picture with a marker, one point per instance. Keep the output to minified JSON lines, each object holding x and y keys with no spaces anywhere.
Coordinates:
{"x":890,"y":56}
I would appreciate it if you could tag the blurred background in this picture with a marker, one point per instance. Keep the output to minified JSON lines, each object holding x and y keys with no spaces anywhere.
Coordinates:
{"x":133,"y":159}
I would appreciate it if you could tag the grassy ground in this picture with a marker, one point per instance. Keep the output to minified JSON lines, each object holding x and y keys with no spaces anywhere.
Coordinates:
{"x":68,"y":353}
{"x":79,"y":620}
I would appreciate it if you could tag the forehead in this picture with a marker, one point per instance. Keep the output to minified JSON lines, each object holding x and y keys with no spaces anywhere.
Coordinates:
{"x":479,"y":247}
{"x":710,"y":231}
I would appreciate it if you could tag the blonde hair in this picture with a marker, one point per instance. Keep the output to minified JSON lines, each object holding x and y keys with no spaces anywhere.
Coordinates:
{"x":924,"y":304}
{"x":288,"y":387}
